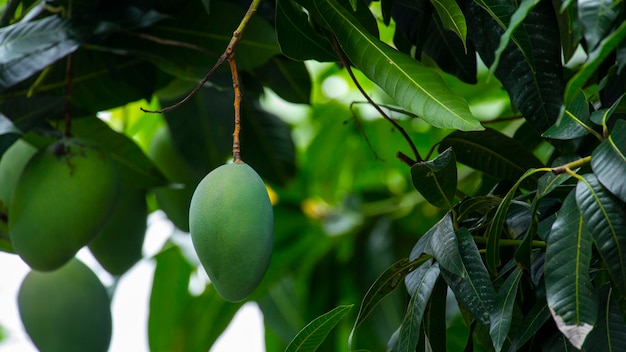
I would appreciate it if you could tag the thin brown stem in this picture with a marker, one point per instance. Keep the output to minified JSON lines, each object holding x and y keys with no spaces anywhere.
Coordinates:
{"x":66,"y":95}
{"x":345,"y":63}
{"x":237,"y":105}
{"x":228,"y":53}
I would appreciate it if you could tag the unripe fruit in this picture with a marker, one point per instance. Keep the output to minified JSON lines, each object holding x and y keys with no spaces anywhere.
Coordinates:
{"x":64,"y":196}
{"x":119,"y":245}
{"x":173,"y":201}
{"x":232,"y":227}
{"x":11,"y":165}
{"x":66,"y":310}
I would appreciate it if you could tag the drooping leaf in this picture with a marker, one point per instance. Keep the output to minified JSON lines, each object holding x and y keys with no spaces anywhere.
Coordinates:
{"x":296,"y":36}
{"x":287,"y":78}
{"x":608,"y":161}
{"x":28,"y":47}
{"x":569,"y":291}
{"x":530,"y":74}
{"x":435,"y":326}
{"x":597,"y":19}
{"x":436,"y":179}
{"x":452,"y":18}
{"x":444,"y":246}
{"x":575,"y":122}
{"x":420,"y":284}
{"x":609,"y":334}
{"x":415,"y":87}
{"x":309,"y":338}
{"x":502,"y":315}
{"x":474,"y":290}
{"x":594,"y":59}
{"x":491,"y":152}
{"x":605,"y":216}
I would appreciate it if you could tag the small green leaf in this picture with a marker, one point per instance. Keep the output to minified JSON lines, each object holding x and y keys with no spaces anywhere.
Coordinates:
{"x":570,"y":293}
{"x":436,"y":179}
{"x":491,"y":152}
{"x":312,"y":336}
{"x":606,"y":218}
{"x":414,"y":86}
{"x":420,"y":284}
{"x":502,"y":314}
{"x":452,"y":18}
{"x":608,"y":161}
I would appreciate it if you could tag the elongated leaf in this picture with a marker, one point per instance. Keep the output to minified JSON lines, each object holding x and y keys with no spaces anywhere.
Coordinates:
{"x":435,"y":326}
{"x":608,"y":161}
{"x":575,"y":122}
{"x":491,"y":152}
{"x":597,"y":19}
{"x":436,"y":179}
{"x":502,"y":314}
{"x":605,"y":217}
{"x":474,"y":291}
{"x":287,"y":78}
{"x":444,"y":246}
{"x":28,"y":47}
{"x":420,"y":284}
{"x":609,"y":334}
{"x":550,"y":181}
{"x":414,"y":86}
{"x":595,"y":58}
{"x":570,"y":293}
{"x":297,"y":38}
{"x":530,"y":325}
{"x":452,"y":18}
{"x":309,"y":338}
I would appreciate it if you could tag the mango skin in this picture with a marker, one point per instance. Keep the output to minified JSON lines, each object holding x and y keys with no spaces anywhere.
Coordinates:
{"x":12,"y":163}
{"x":120,"y":243}
{"x":232,"y":229}
{"x":66,"y":310}
{"x":63,"y":197}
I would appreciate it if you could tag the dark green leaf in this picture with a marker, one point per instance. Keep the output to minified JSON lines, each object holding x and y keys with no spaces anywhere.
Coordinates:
{"x":135,"y":169}
{"x":8,"y":133}
{"x":298,"y":40}
{"x":415,"y":87}
{"x":550,"y":181}
{"x":444,"y":246}
{"x":309,"y":338}
{"x":530,"y":325}
{"x":452,"y":18}
{"x":474,"y":290}
{"x":570,"y":293}
{"x":608,"y":161}
{"x":287,"y":78}
{"x":28,"y":47}
{"x":502,"y":314}
{"x":436,"y":179}
{"x":609,"y":334}
{"x":575,"y":122}
{"x":420,"y":284}
{"x":605,"y":217}
{"x":435,"y":326}
{"x":597,"y":19}
{"x":595,"y":58}
{"x":491,"y":152}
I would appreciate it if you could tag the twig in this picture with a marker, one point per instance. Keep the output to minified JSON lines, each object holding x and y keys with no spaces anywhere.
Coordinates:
{"x":228,"y":53}
{"x":237,"y":105}
{"x":169,"y":42}
{"x":567,"y":168}
{"x":345,"y":62}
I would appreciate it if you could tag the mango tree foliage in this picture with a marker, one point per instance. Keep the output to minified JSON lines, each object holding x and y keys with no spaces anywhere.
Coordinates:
{"x":476,"y":201}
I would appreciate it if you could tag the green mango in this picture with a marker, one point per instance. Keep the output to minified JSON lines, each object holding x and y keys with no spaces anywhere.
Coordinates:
{"x":232,"y":229}
{"x":66,"y":310}
{"x":63,"y":197}
{"x":119,"y":245}
{"x":173,"y":200}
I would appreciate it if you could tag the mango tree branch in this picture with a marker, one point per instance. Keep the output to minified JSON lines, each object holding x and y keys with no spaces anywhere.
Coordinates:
{"x":226,"y":56}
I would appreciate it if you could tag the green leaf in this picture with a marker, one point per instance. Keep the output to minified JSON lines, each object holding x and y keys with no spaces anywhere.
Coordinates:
{"x":436,"y":179}
{"x":575,"y":122}
{"x":297,"y":38}
{"x":605,"y":217}
{"x":570,"y":293}
{"x":595,"y":58}
{"x":420,"y":284}
{"x":444,"y":246}
{"x":386,"y":283}
{"x":491,"y":152}
{"x":474,"y":290}
{"x":452,"y":18}
{"x":551,"y":181}
{"x":532,"y":322}
{"x":135,"y":168}
{"x":312,"y":336}
{"x":287,"y":78}
{"x":597,"y":19}
{"x":608,"y":161}
{"x":435,"y":325}
{"x":28,"y":47}
{"x":415,"y":87}
{"x":502,"y":314}
{"x":609,"y":334}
